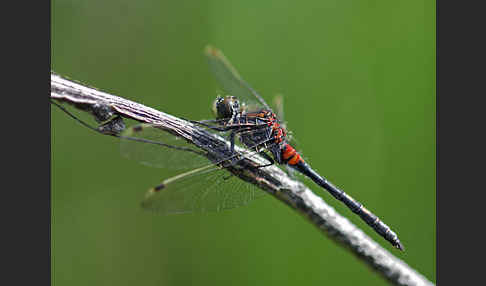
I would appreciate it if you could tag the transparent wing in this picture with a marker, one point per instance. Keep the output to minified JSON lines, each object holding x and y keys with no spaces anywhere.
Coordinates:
{"x":157,"y":148}
{"x":230,"y":80}
{"x":278,"y":102}
{"x":205,"y":189}
{"x":152,"y":146}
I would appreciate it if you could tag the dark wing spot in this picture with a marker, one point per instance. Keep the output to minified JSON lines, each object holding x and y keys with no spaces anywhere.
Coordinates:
{"x":159,"y":187}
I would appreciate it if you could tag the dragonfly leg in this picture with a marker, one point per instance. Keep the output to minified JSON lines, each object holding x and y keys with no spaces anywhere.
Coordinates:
{"x":233,"y":133}
{"x":232,"y":136}
{"x":232,"y":141}
{"x":268,"y":157}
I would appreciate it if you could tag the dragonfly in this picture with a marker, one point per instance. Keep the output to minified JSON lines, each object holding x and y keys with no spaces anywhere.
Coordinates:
{"x":248,"y":122}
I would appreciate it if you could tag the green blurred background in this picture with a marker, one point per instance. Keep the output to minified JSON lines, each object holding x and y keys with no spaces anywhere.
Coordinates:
{"x":358,"y":79}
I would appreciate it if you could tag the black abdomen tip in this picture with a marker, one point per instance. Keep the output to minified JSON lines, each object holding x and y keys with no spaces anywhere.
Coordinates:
{"x":400,"y":246}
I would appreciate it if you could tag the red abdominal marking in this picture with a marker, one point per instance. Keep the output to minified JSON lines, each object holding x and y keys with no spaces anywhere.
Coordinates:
{"x":290,"y":156}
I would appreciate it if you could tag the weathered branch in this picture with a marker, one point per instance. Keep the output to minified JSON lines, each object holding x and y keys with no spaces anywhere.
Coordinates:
{"x":271,"y":179}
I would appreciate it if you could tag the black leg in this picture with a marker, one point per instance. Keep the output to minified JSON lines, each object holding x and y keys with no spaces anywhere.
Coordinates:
{"x":232,"y":141}
{"x":268,"y":157}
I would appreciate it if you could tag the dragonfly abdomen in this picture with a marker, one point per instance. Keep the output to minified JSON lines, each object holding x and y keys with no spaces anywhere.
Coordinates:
{"x":290,"y":156}
{"x":371,"y":219}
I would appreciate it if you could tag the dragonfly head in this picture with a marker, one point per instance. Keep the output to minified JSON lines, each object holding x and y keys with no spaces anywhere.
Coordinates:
{"x":226,"y":107}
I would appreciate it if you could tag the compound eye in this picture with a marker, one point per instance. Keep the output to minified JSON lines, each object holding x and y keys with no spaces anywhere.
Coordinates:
{"x":223,"y":107}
